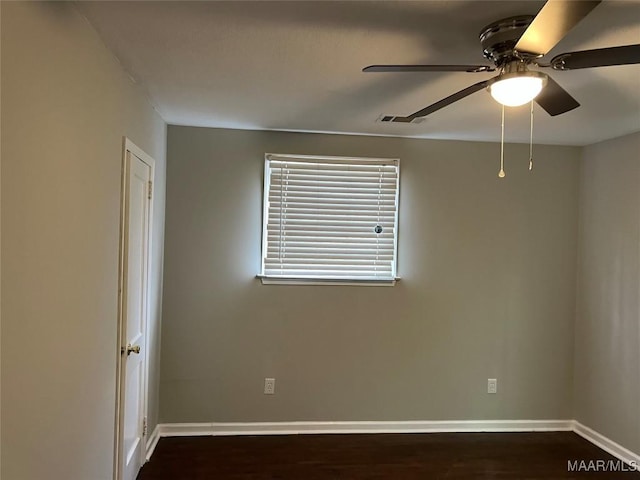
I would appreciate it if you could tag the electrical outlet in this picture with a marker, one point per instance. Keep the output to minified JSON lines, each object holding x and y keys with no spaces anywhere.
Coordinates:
{"x":492,"y":385}
{"x":269,"y":386}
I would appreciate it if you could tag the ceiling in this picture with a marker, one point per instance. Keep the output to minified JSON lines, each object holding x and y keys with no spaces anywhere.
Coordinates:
{"x":297,"y":65}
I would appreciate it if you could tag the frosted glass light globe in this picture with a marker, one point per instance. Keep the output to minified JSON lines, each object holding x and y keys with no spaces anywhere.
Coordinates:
{"x":515,"y":89}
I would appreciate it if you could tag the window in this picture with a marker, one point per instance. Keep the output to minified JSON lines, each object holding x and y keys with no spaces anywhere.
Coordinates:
{"x":329,"y":219}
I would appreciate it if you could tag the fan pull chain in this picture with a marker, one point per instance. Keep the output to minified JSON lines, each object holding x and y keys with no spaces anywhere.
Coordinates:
{"x":501,"y":173}
{"x":531,"y":141}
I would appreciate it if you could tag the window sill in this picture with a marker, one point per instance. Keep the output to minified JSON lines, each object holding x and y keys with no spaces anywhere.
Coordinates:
{"x":327,"y":281}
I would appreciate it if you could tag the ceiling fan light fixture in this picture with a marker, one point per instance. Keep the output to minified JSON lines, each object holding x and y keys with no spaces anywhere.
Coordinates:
{"x":518,"y":88}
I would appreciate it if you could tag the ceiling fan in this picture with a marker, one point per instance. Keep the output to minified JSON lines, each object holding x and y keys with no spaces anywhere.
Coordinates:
{"x":514,"y":44}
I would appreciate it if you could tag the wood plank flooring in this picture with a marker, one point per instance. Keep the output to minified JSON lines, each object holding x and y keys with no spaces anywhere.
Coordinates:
{"x":447,"y":456}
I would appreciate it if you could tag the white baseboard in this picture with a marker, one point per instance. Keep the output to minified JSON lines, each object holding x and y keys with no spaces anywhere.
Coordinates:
{"x":453,"y":426}
{"x":606,"y":444}
{"x":152,"y":442}
{"x":294,"y":428}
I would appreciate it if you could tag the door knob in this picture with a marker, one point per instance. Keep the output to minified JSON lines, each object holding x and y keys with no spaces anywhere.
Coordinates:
{"x":133,"y":349}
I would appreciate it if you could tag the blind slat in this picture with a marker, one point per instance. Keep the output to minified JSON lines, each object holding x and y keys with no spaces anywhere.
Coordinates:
{"x":318,"y":229}
{"x":385,"y":210}
{"x":329,"y":275}
{"x":328,"y":258}
{"x":276,"y":239}
{"x":351,"y":203}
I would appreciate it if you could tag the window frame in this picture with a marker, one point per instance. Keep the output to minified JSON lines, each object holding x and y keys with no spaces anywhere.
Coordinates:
{"x":266,"y":185}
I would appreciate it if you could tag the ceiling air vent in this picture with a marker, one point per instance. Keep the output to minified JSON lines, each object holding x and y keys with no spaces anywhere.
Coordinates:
{"x":390,"y":118}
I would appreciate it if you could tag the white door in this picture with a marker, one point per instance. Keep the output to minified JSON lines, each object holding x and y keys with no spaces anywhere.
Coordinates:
{"x":135,"y":267}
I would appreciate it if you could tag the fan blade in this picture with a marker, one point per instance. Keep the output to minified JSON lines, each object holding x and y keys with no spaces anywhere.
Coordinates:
{"x":555,"y":99}
{"x":552,"y":23}
{"x":600,"y":57}
{"x":443,"y":103}
{"x":428,"y":68}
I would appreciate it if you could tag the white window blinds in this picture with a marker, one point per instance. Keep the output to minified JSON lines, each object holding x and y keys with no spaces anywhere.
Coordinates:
{"x":330,"y":218}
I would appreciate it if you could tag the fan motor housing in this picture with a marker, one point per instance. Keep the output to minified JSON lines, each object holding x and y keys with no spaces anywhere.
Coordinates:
{"x":499,"y":38}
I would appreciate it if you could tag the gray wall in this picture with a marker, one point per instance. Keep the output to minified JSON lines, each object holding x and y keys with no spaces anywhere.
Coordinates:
{"x":607,"y":347}
{"x":66,"y":103}
{"x":488,"y":289}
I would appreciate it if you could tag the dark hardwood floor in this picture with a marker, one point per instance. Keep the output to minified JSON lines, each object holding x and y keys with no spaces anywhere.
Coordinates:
{"x":383,"y":456}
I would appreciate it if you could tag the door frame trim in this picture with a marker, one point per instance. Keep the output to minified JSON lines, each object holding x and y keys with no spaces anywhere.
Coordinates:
{"x":129,"y":146}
